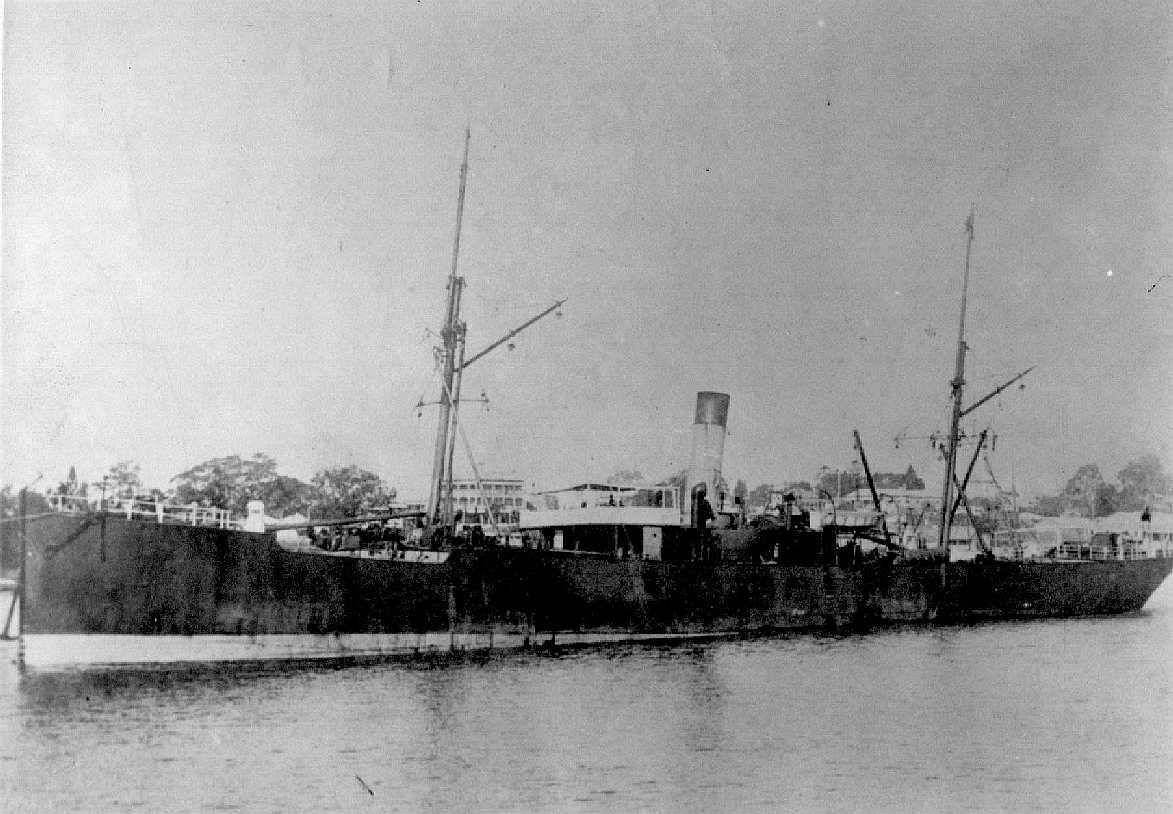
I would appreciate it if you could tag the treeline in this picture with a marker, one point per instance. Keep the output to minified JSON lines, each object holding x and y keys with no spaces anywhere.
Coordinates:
{"x":837,"y":483}
{"x":1139,"y":485}
{"x":232,"y":481}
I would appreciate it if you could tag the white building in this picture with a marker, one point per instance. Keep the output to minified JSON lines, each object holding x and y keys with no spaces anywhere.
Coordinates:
{"x":505,"y":496}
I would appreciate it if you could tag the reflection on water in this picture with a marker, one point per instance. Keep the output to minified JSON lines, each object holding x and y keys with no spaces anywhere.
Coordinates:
{"x":1065,"y":715}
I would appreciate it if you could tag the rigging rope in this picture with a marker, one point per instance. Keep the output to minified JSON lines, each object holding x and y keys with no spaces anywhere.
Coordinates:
{"x":472,"y":463}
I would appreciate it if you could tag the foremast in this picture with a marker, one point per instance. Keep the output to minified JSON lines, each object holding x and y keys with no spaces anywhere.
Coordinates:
{"x":452,"y":362}
{"x":452,"y":342}
{"x":958,"y":388}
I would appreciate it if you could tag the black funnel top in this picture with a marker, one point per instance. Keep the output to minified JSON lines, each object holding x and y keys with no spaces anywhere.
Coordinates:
{"x":712,"y":408}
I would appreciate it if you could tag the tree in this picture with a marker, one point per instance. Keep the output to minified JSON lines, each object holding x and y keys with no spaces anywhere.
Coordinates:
{"x":284,"y":495}
{"x":1083,"y":490}
{"x":347,"y":491}
{"x":1107,"y":500}
{"x":121,"y":481}
{"x":226,"y":483}
{"x":1141,"y":480}
{"x":1087,"y":493}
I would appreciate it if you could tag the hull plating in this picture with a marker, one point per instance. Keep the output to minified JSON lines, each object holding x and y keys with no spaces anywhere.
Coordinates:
{"x":162,"y":593}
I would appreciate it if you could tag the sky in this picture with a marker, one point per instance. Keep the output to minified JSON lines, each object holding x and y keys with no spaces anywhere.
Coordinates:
{"x":227,"y":229}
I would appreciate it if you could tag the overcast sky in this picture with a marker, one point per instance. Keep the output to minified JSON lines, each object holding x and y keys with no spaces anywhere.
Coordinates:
{"x":227,"y":229}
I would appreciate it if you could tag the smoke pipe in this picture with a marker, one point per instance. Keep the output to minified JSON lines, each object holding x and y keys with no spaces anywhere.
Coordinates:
{"x":708,"y":448}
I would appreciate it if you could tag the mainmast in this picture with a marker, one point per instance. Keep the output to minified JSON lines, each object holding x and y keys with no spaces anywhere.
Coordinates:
{"x":452,"y":337}
{"x":958,"y":386}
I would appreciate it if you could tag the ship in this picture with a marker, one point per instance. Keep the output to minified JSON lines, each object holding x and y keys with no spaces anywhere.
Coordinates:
{"x":125,"y":584}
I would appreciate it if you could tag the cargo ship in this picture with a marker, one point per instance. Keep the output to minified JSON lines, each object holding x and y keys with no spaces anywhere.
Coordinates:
{"x":104,"y":588}
{"x":100,"y":586}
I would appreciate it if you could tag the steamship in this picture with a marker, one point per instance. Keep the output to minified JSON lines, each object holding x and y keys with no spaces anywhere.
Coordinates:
{"x":647,"y":563}
{"x":105,"y":589}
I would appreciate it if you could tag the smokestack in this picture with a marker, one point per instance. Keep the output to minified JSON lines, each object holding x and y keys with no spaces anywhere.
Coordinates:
{"x":708,"y":446}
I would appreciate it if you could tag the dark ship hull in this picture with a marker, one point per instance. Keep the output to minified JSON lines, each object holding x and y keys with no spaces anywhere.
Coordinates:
{"x":107,"y":590}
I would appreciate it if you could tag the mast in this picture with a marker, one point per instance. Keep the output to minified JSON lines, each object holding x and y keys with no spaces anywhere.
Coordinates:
{"x":958,"y":386}
{"x":447,"y":516}
{"x":451,"y":335}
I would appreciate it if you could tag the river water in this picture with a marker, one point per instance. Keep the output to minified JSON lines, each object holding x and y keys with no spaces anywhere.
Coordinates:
{"x":1066,"y":715}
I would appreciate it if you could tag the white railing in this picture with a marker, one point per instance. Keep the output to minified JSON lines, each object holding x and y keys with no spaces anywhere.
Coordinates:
{"x":1075,"y":544}
{"x":141,"y":508}
{"x":600,"y":516}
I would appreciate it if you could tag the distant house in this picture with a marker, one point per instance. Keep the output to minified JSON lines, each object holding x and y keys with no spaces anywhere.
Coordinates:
{"x":506,"y":497}
{"x":907,"y":480}
{"x":905,"y":499}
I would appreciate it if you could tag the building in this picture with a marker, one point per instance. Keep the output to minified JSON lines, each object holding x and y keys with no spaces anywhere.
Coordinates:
{"x":505,"y":496}
{"x":906,"y":500}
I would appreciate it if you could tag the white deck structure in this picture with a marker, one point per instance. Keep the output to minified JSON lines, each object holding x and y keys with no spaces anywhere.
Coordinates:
{"x":595,"y":504}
